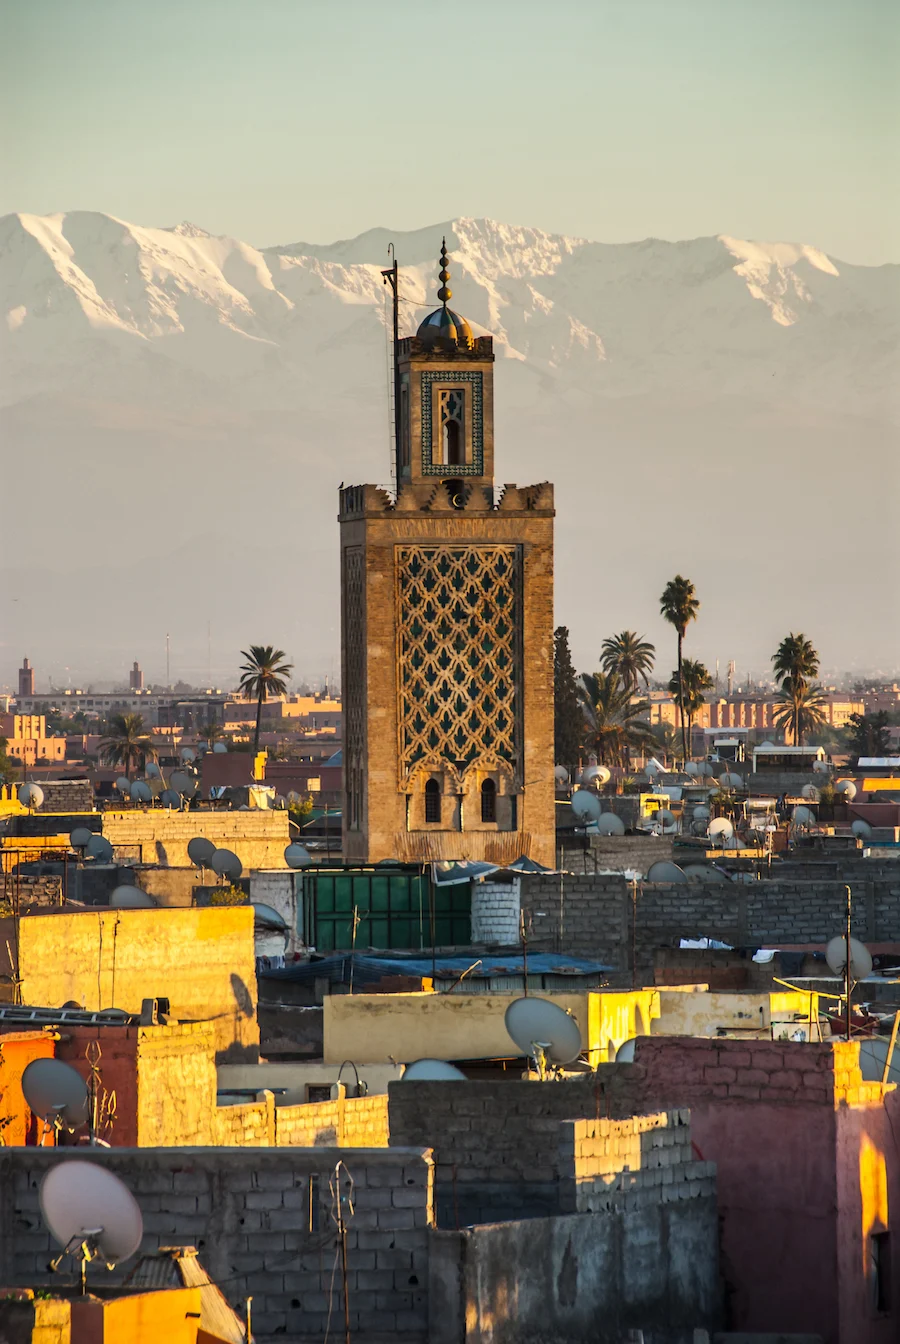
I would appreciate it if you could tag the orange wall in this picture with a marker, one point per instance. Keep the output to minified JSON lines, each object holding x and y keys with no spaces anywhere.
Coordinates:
{"x":171,"y":1315}
{"x":17,"y":1050}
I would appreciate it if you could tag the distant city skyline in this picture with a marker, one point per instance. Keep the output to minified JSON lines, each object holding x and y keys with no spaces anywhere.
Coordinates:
{"x":283,"y":122}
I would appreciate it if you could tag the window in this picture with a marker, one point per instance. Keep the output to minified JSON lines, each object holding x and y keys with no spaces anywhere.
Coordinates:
{"x":489,"y":801}
{"x":432,"y":801}
{"x":453,"y":420}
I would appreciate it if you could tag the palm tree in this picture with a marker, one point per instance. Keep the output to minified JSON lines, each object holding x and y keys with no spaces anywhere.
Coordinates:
{"x":630,"y":656}
{"x":264,"y":675}
{"x":615,"y":722}
{"x":800,"y":707}
{"x":679,"y":606}
{"x":796,"y":663}
{"x":126,"y":742}
{"x":696,"y":681}
{"x":211,"y":731}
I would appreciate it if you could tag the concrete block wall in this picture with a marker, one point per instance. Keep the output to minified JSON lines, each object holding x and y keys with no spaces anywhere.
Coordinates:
{"x":627,"y":1164}
{"x":249,"y":1216}
{"x":283,"y":891}
{"x":495,"y":912}
{"x":158,"y":835}
{"x":348,"y":1122}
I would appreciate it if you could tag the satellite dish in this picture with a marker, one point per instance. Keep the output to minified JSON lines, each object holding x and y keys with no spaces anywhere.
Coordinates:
{"x":266,"y":917}
{"x":595,"y":774}
{"x":220,"y":748}
{"x":131,"y":898}
{"x":821,"y":767}
{"x":846,"y":788}
{"x":586,"y":805}
{"x":280,"y":802}
{"x":701,"y":812}
{"x":699,"y":827}
{"x":297,"y":856}
{"x":56,"y":1093}
{"x":188,"y":754}
{"x":860,"y":958}
{"x":85,"y":1205}
{"x":99,"y":848}
{"x":170,"y":798}
{"x":31,"y":795}
{"x":200,"y":851}
{"x":666,"y":821}
{"x":141,"y":791}
{"x":704,"y":769}
{"x":180,"y":781}
{"x":862,"y":829}
{"x":432,"y":1071}
{"x":766,"y":746}
{"x":561,"y":774}
{"x":811,"y":792}
{"x":692,"y":768}
{"x":703,"y":872}
{"x":80,"y":837}
{"x":543,"y":1031}
{"x":226,"y":864}
{"x":721,"y":829}
{"x":802,"y":816}
{"x":663,"y":871}
{"x":730,"y":781}
{"x":122,"y":784}
{"x":293,"y":798}
{"x":152,"y":770}
{"x":609,"y":824}
{"x":625,"y":1052}
{"x":652,"y":768}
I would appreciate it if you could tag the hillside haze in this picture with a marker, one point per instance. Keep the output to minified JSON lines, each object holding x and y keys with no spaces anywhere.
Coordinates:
{"x":178,"y":410}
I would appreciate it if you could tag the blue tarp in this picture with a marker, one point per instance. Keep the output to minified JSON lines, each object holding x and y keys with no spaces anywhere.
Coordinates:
{"x":369,"y":969}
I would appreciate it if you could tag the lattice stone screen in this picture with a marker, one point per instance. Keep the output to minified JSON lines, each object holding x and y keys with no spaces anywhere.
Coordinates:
{"x":353,"y":581}
{"x":459,"y":665}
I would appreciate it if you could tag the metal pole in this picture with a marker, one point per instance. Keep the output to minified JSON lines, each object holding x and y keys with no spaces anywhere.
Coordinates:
{"x":847,"y":967}
{"x":524,"y":954}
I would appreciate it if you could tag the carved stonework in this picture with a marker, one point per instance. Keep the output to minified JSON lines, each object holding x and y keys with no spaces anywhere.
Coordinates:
{"x":354,"y":692}
{"x":458,"y":623}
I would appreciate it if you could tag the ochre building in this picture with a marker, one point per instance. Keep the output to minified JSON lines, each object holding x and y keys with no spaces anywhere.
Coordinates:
{"x":447,"y":626}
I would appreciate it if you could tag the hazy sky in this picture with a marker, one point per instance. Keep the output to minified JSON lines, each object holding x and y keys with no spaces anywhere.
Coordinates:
{"x":281,"y":120}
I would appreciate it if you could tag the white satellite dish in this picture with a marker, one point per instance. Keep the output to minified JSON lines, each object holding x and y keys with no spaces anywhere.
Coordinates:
{"x":803,"y":816}
{"x":821,"y":767}
{"x":31,"y":795}
{"x":90,"y":1213}
{"x":131,"y":898}
{"x":543,"y":1031}
{"x":666,"y":821}
{"x":200,"y":851}
{"x":861,"y":828}
{"x":122,"y":784}
{"x":432,"y":1071}
{"x":99,"y":848}
{"x":56,"y":1093}
{"x":860,"y":957}
{"x":609,"y":824}
{"x":721,"y":829}
{"x":141,"y":791}
{"x":80,"y":837}
{"x":226,"y":864}
{"x":220,"y":748}
{"x":663,"y":871}
{"x":595,"y":774}
{"x":625,"y":1052}
{"x":586,"y":806}
{"x":561,"y":774}
{"x":810,"y":792}
{"x":297,"y":856}
{"x":846,"y":788}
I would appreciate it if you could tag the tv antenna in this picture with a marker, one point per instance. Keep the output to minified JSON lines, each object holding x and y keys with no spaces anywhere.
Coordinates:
{"x":544,"y":1032}
{"x":91,"y":1213}
{"x":853,"y":967}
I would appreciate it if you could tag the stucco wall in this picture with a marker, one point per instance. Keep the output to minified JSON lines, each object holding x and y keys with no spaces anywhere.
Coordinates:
{"x":17,"y":1050}
{"x":157,"y":835}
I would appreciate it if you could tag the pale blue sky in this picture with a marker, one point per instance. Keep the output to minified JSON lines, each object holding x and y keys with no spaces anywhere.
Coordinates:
{"x":281,"y":120}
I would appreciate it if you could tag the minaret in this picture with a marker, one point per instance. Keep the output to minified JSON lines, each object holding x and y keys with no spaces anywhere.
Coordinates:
{"x":26,"y":679}
{"x":447,"y":626}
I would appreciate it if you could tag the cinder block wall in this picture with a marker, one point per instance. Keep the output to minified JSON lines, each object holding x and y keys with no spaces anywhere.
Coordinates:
{"x":249,"y":1216}
{"x":495,"y":912}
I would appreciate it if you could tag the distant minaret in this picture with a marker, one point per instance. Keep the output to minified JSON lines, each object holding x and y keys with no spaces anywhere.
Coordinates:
{"x":731,"y":670}
{"x":136,"y":678}
{"x":26,"y":679}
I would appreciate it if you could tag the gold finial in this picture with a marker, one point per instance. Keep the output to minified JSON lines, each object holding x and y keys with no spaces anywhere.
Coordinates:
{"x":444,"y":275}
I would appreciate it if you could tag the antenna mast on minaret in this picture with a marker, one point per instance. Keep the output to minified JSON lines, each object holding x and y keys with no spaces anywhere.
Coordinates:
{"x":392,"y":278}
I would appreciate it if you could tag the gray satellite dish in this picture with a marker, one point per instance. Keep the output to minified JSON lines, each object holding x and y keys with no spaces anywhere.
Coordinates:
{"x":187,"y":754}
{"x":701,"y":812}
{"x":703,"y":872}
{"x":720,"y":830}
{"x":810,"y":792}
{"x":766,"y":746}
{"x":200,"y":851}
{"x":293,"y":797}
{"x":730,"y":781}
{"x":90,"y":1212}
{"x":821,"y":767}
{"x":625,"y":1052}
{"x":152,"y":770}
{"x":692,"y":768}
{"x":131,"y":898}
{"x":609,"y":824}
{"x":80,"y":837}
{"x":180,"y":781}
{"x":666,"y":821}
{"x":586,"y":806}
{"x":170,"y":798}
{"x":860,"y":958}
{"x":846,"y":788}
{"x":265,"y":917}
{"x":297,"y":856}
{"x":862,"y":829}
{"x":561,"y":774}
{"x":803,"y":816}
{"x":543,"y":1031}
{"x":31,"y":795}
{"x":432,"y":1071}
{"x":99,"y":848}
{"x":226,"y":864}
{"x":663,"y":871}
{"x":220,"y":748}
{"x":141,"y":791}
{"x":122,"y":784}
{"x":56,"y":1093}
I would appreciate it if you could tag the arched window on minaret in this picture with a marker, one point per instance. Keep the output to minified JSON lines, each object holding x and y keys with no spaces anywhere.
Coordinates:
{"x":432,"y":801}
{"x":453,"y":419}
{"x":489,"y":801}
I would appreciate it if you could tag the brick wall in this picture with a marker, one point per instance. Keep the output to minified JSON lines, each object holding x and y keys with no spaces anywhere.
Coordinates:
{"x":258,"y":837}
{"x":249,"y":1217}
{"x":495,"y":912}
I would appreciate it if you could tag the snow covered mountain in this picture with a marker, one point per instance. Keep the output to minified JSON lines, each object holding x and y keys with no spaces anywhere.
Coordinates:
{"x":200,"y":398}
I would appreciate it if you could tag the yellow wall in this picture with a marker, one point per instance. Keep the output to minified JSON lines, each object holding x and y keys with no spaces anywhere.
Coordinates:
{"x":170,"y":1314}
{"x":704,"y":1013}
{"x":614,"y":1018}
{"x":376,"y":1028}
{"x":259,"y":838}
{"x":203,"y":961}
